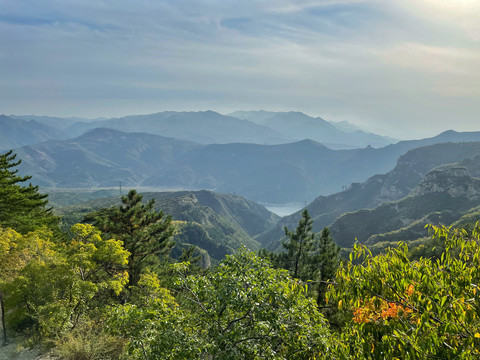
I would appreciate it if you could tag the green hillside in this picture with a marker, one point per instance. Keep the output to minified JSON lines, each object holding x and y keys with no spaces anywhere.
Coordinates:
{"x":443,"y":197}
{"x":392,"y":186}
{"x":214,"y":222}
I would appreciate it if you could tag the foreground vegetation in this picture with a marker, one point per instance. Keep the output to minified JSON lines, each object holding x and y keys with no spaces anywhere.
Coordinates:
{"x":108,"y":289}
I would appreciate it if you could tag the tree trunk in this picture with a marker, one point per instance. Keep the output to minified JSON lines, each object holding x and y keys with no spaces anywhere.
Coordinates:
{"x":3,"y":319}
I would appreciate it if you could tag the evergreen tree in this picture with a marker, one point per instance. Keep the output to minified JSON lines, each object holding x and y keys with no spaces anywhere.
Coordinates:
{"x":191,"y":256}
{"x":309,"y":256}
{"x":300,"y":247}
{"x":145,"y":233}
{"x":326,"y":262}
{"x":22,"y":208}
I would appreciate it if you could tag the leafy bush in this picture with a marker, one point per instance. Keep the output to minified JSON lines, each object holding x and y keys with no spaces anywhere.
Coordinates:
{"x":88,"y":344}
{"x":413,"y":309}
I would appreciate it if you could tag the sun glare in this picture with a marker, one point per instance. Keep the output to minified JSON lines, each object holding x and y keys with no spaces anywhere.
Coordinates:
{"x":455,"y":3}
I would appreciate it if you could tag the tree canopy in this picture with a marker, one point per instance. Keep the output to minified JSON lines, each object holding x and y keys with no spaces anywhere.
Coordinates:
{"x":243,"y":309}
{"x":22,"y":208}
{"x":146,"y":234}
{"x":64,"y":290}
{"x":413,"y":309}
{"x":310,"y":257}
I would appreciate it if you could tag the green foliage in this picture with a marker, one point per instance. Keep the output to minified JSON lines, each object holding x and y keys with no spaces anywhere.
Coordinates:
{"x":16,"y":250}
{"x":153,"y":323}
{"x":244,"y":309}
{"x":299,"y":248}
{"x":413,"y":309}
{"x":310,"y":257}
{"x":22,"y":208}
{"x":63,"y":283}
{"x":145,"y":233}
{"x":326,"y":262}
{"x":95,"y":260}
{"x":87,"y":343}
{"x":192,"y":256}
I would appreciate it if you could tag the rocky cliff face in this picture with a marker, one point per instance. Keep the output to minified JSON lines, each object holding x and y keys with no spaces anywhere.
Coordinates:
{"x":455,"y":181}
{"x":409,"y":172}
{"x":442,"y":197}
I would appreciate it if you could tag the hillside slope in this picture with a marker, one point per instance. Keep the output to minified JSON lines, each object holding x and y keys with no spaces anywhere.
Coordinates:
{"x":392,"y":186}
{"x":216,"y":223}
{"x":444,"y":195}
{"x":18,"y":132}
{"x":100,"y":157}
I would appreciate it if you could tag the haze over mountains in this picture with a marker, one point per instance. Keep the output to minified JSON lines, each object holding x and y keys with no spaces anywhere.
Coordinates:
{"x":100,"y":158}
{"x":209,"y":127}
{"x":18,"y":132}
{"x":268,"y":157}
{"x":300,"y":126}
{"x":395,"y":200}
{"x":293,"y":172}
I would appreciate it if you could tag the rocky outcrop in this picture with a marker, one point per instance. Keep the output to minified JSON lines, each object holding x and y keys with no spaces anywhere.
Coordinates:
{"x":455,"y":181}
{"x":410,"y":171}
{"x":444,"y":194}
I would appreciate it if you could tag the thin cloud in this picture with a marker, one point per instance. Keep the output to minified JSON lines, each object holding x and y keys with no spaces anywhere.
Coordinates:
{"x":435,"y":59}
{"x":365,"y":61}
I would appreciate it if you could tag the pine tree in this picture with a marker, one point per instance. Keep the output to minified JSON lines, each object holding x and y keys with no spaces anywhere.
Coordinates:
{"x":145,"y":233}
{"x":327,"y":260}
{"x":300,"y":246}
{"x":309,"y":256}
{"x":22,"y":208}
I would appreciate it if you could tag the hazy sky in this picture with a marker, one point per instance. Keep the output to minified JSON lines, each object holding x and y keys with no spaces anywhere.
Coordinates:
{"x":405,"y":68}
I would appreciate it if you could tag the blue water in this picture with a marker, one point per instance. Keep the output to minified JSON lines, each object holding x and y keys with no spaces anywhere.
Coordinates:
{"x":284,"y":209}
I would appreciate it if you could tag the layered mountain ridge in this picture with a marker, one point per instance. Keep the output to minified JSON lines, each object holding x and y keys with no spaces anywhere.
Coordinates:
{"x":18,"y":132}
{"x":293,"y":172}
{"x":409,"y":172}
{"x":216,"y":223}
{"x":443,"y":196}
{"x":210,"y":127}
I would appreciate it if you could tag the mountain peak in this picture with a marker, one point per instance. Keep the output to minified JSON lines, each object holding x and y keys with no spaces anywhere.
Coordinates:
{"x":448,"y":132}
{"x":310,"y":142}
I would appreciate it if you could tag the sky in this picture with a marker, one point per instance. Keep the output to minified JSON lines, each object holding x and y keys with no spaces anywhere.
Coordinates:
{"x":402,"y":68}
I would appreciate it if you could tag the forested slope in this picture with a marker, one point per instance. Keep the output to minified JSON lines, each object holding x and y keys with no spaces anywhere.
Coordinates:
{"x":392,"y":186}
{"x":112,"y":291}
{"x":217,"y":223}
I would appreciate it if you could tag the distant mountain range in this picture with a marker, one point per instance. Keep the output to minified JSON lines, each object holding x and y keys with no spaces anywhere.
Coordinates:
{"x":216,"y":223}
{"x":209,"y":127}
{"x":204,"y":127}
{"x":264,"y":173}
{"x":101,"y":157}
{"x":299,"y":126}
{"x":381,"y":190}
{"x":250,"y":154}
{"x":55,"y":122}
{"x":18,"y":132}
